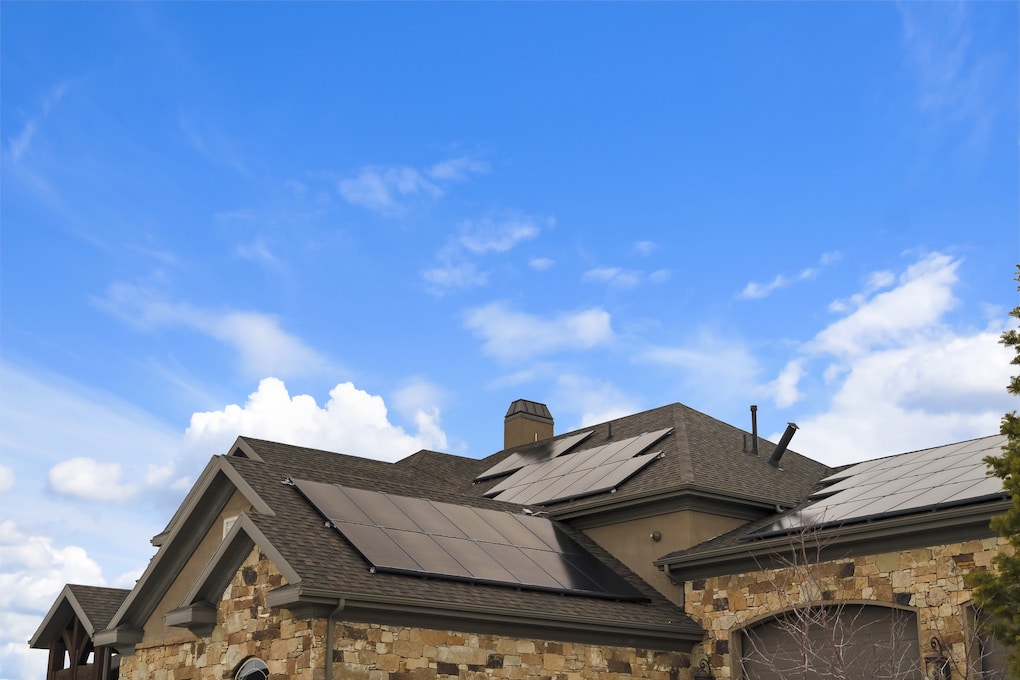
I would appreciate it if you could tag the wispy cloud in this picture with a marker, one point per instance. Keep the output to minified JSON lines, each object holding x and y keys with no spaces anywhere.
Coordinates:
{"x":385,"y":190}
{"x":391,"y":190}
{"x":954,"y":76}
{"x":20,"y":145}
{"x":645,"y":248}
{"x":593,"y":400}
{"x":456,"y":263}
{"x":263,"y":347}
{"x":541,"y":264}
{"x":614,"y":276}
{"x":755,"y":290}
{"x":510,"y":335}
{"x":257,"y":251}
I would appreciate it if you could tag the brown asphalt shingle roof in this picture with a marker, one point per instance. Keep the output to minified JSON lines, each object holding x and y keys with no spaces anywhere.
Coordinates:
{"x":324,"y":559}
{"x":99,"y":604}
{"x":702,"y":453}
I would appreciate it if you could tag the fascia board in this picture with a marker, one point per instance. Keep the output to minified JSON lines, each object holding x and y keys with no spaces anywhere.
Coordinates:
{"x":908,"y":531}
{"x":688,"y":497}
{"x":55,"y":620}
{"x":229,"y":556}
{"x":219,"y":479}
{"x":442,"y":614}
{"x":242,"y":445}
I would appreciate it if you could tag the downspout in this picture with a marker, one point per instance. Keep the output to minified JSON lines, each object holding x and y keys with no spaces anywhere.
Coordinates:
{"x":330,"y":641}
{"x":683,"y":595}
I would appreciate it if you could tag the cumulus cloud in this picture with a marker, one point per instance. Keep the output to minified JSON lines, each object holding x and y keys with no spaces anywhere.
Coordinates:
{"x":901,"y":378}
{"x":263,"y":347}
{"x":88,"y":479}
{"x":33,"y":571}
{"x":907,"y":312}
{"x":755,"y":290}
{"x":352,"y":421}
{"x":541,"y":263}
{"x":491,"y":235}
{"x":510,"y":335}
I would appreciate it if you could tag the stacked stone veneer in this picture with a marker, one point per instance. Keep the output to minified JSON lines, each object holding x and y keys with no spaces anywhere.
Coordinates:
{"x":929,"y":581}
{"x":295,"y":648}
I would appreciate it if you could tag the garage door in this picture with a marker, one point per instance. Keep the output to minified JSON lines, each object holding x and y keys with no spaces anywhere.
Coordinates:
{"x":843,"y":642}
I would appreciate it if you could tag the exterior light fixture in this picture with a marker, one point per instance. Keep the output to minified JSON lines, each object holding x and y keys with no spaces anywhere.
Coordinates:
{"x":704,"y":671}
{"x":936,"y":665}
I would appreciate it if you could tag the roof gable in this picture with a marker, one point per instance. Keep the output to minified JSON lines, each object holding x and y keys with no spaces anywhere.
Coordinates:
{"x":94,"y":606}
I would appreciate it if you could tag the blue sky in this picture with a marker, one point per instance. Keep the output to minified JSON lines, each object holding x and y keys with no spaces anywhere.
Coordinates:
{"x":370,"y":227}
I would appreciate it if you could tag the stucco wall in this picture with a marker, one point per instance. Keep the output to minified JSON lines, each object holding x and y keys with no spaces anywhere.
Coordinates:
{"x":630,"y":541}
{"x":929,"y":581}
{"x":295,"y":648}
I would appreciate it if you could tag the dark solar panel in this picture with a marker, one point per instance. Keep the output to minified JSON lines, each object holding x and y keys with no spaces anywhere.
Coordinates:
{"x":535,"y":453}
{"x":579,"y":474}
{"x":954,"y":474}
{"x":417,"y":536}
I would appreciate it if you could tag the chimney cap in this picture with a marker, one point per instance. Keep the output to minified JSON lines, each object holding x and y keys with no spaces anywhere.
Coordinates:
{"x":531,"y":408}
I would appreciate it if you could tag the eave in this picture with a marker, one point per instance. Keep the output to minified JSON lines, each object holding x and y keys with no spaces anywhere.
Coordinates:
{"x":612,"y":508}
{"x":890,"y":534}
{"x":399,"y":611}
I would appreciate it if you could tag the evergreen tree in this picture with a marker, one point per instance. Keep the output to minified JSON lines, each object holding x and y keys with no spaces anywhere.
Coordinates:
{"x":997,"y":593}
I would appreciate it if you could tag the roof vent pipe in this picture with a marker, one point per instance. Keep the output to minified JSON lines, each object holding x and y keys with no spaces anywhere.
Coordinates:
{"x":783,"y":443}
{"x":754,"y":429}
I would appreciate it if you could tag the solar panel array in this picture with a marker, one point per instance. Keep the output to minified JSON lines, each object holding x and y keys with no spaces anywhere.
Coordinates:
{"x":579,"y":474}
{"x":954,"y":474}
{"x":428,"y":538}
{"x":536,"y":453}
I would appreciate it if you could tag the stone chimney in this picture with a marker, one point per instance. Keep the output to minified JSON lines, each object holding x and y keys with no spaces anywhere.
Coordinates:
{"x":526,"y":422}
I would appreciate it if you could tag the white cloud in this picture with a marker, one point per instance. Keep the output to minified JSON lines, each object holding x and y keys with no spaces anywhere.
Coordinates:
{"x":908,"y":312}
{"x":541,"y":263}
{"x":491,"y":235}
{"x":257,"y":251}
{"x":351,"y":421}
{"x":263,"y":347}
{"x":645,"y":247}
{"x":511,"y":335}
{"x":755,"y":290}
{"x":21,"y":144}
{"x":456,"y":263}
{"x":595,"y":401}
{"x":384,"y":190}
{"x":785,"y":386}
{"x":715,"y":363}
{"x":88,"y":479}
{"x":614,"y":276}
{"x":6,"y":479}
{"x":33,"y":571}
{"x":943,"y":390}
{"x":900,"y":377}
{"x":451,"y":275}
{"x":455,"y":169}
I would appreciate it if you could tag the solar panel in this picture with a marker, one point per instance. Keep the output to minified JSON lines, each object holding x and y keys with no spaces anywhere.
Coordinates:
{"x":535,"y":453}
{"x":582,"y":473}
{"x":428,"y":538}
{"x":934,"y":478}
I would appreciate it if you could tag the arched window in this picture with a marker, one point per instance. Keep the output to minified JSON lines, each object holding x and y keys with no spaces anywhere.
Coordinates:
{"x":252,"y":669}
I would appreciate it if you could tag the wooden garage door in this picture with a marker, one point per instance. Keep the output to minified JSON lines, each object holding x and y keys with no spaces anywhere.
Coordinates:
{"x":843,"y":642}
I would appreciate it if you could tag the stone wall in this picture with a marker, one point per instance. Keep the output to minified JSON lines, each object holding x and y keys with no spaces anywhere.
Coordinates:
{"x":929,"y":581}
{"x":294,"y":648}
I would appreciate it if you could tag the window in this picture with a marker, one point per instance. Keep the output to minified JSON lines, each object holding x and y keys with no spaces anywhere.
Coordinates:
{"x":228,"y":524}
{"x":252,"y":669}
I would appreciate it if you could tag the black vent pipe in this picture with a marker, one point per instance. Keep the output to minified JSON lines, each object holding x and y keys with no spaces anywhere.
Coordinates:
{"x":783,"y":443}
{"x":754,"y":429}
